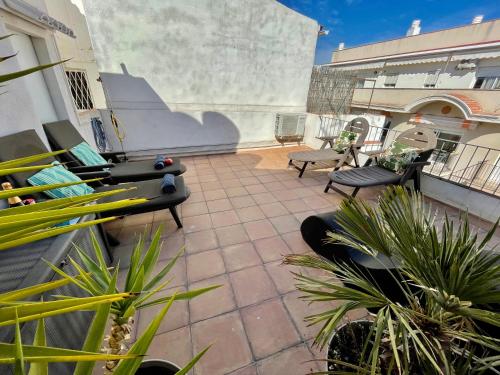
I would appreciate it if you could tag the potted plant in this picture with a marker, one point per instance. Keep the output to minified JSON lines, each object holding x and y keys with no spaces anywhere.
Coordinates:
{"x":143,"y":284}
{"x":448,"y":319}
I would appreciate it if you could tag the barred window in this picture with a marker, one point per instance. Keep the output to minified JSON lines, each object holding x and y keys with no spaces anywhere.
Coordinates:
{"x":80,"y":90}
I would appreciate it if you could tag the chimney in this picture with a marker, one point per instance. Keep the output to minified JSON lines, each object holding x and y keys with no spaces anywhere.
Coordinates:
{"x":477,"y":19}
{"x":341,"y":46}
{"x":414,"y":28}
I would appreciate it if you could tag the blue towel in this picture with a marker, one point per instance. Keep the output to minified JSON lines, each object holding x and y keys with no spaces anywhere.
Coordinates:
{"x":168,"y":184}
{"x":159,"y":162}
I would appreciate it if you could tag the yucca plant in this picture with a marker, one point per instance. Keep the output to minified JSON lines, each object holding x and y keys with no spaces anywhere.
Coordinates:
{"x":141,"y":281}
{"x":449,"y":280}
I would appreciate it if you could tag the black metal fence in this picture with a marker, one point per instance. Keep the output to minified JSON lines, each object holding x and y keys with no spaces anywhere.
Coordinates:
{"x":472,"y":166}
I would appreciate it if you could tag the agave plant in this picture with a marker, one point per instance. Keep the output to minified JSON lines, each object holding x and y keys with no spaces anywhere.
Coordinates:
{"x":141,"y":281}
{"x":449,"y":278}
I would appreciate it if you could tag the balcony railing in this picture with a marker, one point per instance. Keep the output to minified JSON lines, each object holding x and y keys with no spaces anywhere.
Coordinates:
{"x":472,"y":166}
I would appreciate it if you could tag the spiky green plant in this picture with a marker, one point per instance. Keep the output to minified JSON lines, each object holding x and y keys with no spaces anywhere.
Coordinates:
{"x":449,"y":278}
{"x":141,"y":281}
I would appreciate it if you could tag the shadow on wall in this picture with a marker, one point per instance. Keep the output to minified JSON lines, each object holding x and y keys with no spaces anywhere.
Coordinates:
{"x":149,"y":125}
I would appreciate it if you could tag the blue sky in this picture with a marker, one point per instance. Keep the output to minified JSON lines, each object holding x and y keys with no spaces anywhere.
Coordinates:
{"x":356,"y":22}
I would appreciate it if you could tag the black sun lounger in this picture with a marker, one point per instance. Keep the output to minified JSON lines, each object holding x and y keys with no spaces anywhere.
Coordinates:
{"x":62,"y":135}
{"x":372,"y":175}
{"x":27,"y":143}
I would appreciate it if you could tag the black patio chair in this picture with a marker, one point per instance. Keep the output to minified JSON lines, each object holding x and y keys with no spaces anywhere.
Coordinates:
{"x":372,"y":175}
{"x":62,"y":135}
{"x":27,"y":143}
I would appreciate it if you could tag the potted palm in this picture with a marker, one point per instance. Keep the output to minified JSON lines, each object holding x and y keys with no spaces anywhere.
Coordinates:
{"x":447,"y":320}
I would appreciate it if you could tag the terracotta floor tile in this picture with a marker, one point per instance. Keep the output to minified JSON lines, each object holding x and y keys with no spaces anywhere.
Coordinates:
{"x":210,"y":185}
{"x":236,"y":191}
{"x":301,"y":216}
{"x":249,"y":370}
{"x":273,"y":209}
{"x":231,"y":235}
{"x":177,"y":316}
{"x":299,"y":309}
{"x":249,"y":181}
{"x":274,"y":186}
{"x":195,"y":187}
{"x":282,"y":276}
{"x":267,"y":178}
{"x":296,"y":360}
{"x":130,"y":234}
{"x":226,"y":176}
{"x":285,"y":195}
{"x":212,"y":195}
{"x":259,"y":229}
{"x":263,"y":198}
{"x":316,"y":202}
{"x":252,"y":285}
{"x":177,"y":274}
{"x":251,"y":213}
{"x":269,"y":328}
{"x":194,"y":209}
{"x":233,"y":183}
{"x":140,"y":219}
{"x":196,"y":197}
{"x":230,"y":350}
{"x":243,"y":173}
{"x":224,"y":218}
{"x":244,"y":201}
{"x":219,"y":205}
{"x":296,"y":205}
{"x":204,"y":265}
{"x":196,"y":223}
{"x":272,"y":248}
{"x":256,"y":189}
{"x":260,"y":172}
{"x":201,"y":241}
{"x":180,"y":353}
{"x":240,"y":256}
{"x":214,"y":302}
{"x":285,"y":224}
{"x":296,"y":243}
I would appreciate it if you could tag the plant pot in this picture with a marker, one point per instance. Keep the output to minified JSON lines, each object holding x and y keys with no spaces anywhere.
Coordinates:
{"x":347,"y":343}
{"x":157,"y":367}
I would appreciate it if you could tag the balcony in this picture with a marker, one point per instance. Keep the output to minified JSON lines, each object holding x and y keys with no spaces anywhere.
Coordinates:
{"x":476,"y":103}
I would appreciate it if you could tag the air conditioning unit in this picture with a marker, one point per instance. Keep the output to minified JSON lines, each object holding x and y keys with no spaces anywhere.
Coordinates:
{"x":289,"y":127}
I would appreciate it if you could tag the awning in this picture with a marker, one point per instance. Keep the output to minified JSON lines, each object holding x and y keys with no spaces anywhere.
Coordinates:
{"x":411,"y":61}
{"x":374,"y":65}
{"x":476,"y":55}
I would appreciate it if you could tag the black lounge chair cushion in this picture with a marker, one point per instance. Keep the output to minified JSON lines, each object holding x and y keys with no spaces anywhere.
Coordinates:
{"x":365,"y":176}
{"x":146,"y":189}
{"x":63,"y":135}
{"x":143,"y":170}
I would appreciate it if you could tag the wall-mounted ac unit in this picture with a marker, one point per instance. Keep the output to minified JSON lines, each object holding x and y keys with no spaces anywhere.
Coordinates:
{"x":289,"y":127}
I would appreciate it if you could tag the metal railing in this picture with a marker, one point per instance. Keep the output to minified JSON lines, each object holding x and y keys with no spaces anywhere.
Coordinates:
{"x":472,"y":166}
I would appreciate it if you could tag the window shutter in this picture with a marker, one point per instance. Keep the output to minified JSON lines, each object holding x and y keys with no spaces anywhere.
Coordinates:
{"x":432,"y":78}
{"x":391,"y":79}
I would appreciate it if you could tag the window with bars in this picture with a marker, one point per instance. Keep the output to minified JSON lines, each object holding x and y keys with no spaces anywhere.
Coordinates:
{"x":391,"y":79}
{"x":487,"y":83}
{"x":432,"y":78}
{"x":80,"y":90}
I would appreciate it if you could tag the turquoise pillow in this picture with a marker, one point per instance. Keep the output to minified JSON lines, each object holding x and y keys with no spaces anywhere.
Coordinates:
{"x":87,"y":155}
{"x":56,"y":175}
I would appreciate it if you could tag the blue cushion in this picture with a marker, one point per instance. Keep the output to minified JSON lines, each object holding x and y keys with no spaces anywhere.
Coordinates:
{"x":87,"y":155}
{"x":57,"y":175}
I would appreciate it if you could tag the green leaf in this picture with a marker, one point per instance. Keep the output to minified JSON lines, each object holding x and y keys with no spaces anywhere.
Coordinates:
{"x":142,"y":344}
{"x":192,"y":362}
{"x":29,"y":159}
{"x":19,"y":359}
{"x":21,"y":73}
{"x":179,"y":296}
{"x":17,"y":295}
{"x":95,"y":334}
{"x":9,"y":171}
{"x":39,"y":368}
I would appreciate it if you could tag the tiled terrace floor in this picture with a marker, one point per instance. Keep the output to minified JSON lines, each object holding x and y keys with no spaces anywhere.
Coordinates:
{"x":244,"y":213}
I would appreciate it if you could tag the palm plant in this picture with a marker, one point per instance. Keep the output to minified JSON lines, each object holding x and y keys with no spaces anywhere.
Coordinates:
{"x":141,"y":281}
{"x":448,"y":278}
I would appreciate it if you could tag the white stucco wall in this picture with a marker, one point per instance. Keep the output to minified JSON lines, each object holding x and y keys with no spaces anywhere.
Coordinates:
{"x":17,"y":103}
{"x":205,"y":73}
